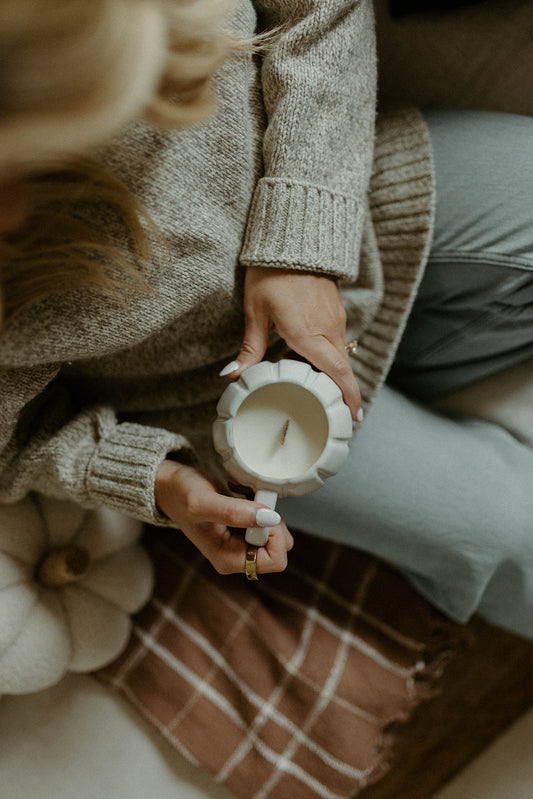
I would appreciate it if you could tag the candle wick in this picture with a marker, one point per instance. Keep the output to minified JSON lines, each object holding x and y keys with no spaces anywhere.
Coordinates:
{"x":284,"y":434}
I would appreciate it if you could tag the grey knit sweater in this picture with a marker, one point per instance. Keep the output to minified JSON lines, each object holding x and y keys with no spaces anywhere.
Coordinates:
{"x":288,"y":173}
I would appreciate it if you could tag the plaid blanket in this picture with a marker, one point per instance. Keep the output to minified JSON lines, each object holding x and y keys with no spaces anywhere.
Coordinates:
{"x":287,"y":687}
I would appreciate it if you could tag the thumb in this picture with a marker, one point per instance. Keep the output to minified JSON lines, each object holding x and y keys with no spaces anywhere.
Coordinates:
{"x":253,"y":347}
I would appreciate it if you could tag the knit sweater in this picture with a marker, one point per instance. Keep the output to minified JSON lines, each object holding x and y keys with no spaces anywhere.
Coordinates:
{"x":290,"y":172}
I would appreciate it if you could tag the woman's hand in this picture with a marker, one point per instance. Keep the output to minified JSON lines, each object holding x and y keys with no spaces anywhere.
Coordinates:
{"x":206,"y":517}
{"x":306,"y":310}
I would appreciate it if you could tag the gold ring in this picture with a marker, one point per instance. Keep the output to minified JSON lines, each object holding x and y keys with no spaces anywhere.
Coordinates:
{"x":250,"y":562}
{"x":351,"y":346}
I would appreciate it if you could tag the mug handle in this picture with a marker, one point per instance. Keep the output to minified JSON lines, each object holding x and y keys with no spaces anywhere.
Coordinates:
{"x":258,"y":536}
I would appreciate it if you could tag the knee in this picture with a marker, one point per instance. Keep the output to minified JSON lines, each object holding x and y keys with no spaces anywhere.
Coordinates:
{"x":484,"y":173}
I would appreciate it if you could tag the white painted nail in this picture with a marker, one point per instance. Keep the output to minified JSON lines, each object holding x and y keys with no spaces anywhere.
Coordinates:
{"x":231,"y":367}
{"x":360,"y":415}
{"x":267,"y":518}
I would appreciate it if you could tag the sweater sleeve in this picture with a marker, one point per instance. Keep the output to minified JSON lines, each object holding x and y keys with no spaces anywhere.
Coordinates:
{"x":87,"y":456}
{"x":319,"y":87}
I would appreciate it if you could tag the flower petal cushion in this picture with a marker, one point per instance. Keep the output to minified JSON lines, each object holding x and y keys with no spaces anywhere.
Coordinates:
{"x":69,"y":580}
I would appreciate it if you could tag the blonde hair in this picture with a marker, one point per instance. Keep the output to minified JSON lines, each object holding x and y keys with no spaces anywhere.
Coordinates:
{"x":73,"y":73}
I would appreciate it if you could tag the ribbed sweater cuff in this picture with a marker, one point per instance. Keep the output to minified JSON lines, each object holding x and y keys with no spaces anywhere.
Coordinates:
{"x":121,"y":473}
{"x":299,"y":226}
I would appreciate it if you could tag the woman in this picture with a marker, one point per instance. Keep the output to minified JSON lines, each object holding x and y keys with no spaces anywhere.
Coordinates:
{"x":260,"y":221}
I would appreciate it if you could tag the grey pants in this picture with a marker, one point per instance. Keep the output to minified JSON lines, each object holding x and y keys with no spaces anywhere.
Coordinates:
{"x":450,"y":501}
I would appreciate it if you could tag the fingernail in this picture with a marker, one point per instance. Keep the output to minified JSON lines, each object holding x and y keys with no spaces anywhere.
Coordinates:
{"x":231,"y":367}
{"x":267,"y":518}
{"x":360,"y":415}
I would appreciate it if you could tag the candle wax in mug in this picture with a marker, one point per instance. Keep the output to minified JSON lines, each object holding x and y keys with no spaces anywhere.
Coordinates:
{"x":259,"y":427}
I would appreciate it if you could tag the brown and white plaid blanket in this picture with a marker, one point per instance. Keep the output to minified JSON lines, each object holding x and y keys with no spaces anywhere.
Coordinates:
{"x":285,"y":687}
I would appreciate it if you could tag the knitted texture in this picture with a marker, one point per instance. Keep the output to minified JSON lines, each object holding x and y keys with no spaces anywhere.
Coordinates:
{"x":402,"y":205}
{"x":303,"y":227}
{"x":96,"y":388}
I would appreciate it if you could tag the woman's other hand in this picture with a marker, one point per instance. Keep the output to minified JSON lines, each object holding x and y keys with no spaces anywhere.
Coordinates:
{"x":208,"y":519}
{"x":306,"y":310}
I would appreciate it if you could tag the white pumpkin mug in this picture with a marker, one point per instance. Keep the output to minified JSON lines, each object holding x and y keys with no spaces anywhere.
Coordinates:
{"x":282,"y":429}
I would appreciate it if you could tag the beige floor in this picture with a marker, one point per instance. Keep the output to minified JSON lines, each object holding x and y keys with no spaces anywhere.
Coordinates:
{"x":78,"y":740}
{"x":503,"y":771}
